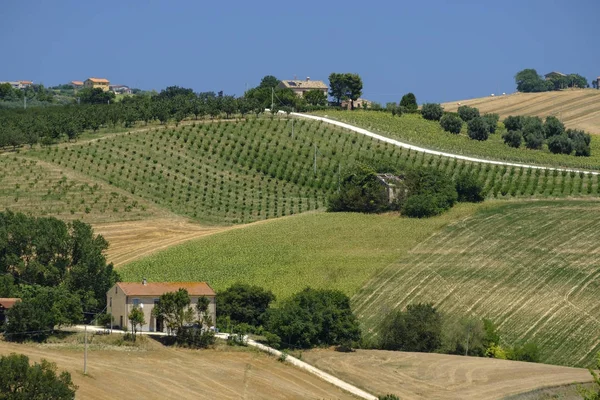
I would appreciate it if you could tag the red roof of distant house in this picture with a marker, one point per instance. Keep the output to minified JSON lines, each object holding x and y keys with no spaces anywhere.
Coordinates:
{"x":98,"y":80}
{"x":159,"y":288}
{"x":26,"y":82}
{"x":77,"y":83}
{"x":8,"y":302}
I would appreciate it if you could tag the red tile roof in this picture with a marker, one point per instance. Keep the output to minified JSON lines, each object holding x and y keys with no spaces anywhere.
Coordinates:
{"x":98,"y":80}
{"x":8,"y":302}
{"x":77,"y":83}
{"x":159,"y":288}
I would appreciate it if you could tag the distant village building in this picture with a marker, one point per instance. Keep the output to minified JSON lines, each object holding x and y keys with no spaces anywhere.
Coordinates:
{"x":18,"y":84}
{"x":124,"y":296}
{"x":598,"y":82}
{"x":6,"y":304}
{"x":120,"y":89}
{"x":76,"y":84}
{"x":554,"y":74}
{"x":299,"y":87}
{"x":358,"y":103}
{"x":97,"y":83}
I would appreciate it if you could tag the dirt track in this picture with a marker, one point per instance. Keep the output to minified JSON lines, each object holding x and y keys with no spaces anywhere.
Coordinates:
{"x":440,"y":376}
{"x":165,"y":373}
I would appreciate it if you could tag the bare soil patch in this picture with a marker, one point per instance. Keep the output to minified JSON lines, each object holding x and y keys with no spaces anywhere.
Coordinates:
{"x":440,"y":376}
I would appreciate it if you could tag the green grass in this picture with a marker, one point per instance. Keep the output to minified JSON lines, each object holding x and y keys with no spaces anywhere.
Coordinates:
{"x":532,"y":268}
{"x":40,"y":189}
{"x":250,"y":170}
{"x":413,"y":129}
{"x":320,"y":250}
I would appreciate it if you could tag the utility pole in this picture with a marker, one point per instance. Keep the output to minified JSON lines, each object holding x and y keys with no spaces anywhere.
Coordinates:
{"x":339,"y":173}
{"x":292,"y":128}
{"x":85,"y":353}
{"x":24,"y":102}
{"x":272,"y":100}
{"x":315,"y":158}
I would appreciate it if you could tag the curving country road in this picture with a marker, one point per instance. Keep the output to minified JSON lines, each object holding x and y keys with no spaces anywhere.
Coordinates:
{"x":398,"y":143}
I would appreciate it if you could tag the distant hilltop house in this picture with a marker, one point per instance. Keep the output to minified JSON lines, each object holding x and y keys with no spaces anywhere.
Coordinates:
{"x":18,"y":84}
{"x":598,"y":82}
{"x":97,"y":83}
{"x":120,"y":89}
{"x":76,"y":84}
{"x":553,"y":75}
{"x":358,"y":103}
{"x":124,"y":296}
{"x":300,"y":86}
{"x":6,"y":304}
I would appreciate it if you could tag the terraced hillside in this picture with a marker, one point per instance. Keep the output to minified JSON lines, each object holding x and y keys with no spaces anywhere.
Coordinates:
{"x":577,"y":108}
{"x":532,"y":268}
{"x":244,"y":171}
{"x":42,"y":189}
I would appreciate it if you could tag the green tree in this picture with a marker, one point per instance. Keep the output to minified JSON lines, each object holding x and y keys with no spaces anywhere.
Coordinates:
{"x":528,"y":80}
{"x":409,"y":103}
{"x":560,"y":144}
{"x":529,"y":352}
{"x":95,"y":96}
{"x":337,"y":87}
{"x":432,"y":112}
{"x":492,"y":121}
{"x":243,"y":303}
{"x":354,"y":86}
{"x":533,"y":132}
{"x":465,"y":337}
{"x":229,"y":105}
{"x":467,"y":113}
{"x":430,"y":192}
{"x":315,"y":98}
{"x":6,"y":92}
{"x":360,"y":191}
{"x":513,"y":123}
{"x":594,"y":392}
{"x":469,"y":188}
{"x":315,"y":317}
{"x":174,"y":310}
{"x":19,"y":380}
{"x":269,"y":81}
{"x":513,"y":138}
{"x":451,"y":123}
{"x":553,"y":127}
{"x":419,"y":328}
{"x":136,"y":317}
{"x":478,"y":129}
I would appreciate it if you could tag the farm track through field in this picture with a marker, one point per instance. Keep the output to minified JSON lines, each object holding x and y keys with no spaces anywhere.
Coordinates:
{"x":420,"y":376}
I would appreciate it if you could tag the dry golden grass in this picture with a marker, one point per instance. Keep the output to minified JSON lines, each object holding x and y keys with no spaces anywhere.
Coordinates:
{"x":440,"y":376}
{"x":168,"y":373}
{"x":577,"y":108}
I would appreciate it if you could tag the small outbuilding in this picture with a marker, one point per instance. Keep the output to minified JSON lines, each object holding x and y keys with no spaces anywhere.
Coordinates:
{"x":6,"y":303}
{"x":124,"y":296}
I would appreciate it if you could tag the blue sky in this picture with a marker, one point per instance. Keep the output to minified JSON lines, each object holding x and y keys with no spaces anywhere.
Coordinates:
{"x":440,"y":50}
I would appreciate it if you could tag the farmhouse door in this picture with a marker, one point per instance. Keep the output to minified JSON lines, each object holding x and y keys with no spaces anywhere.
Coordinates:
{"x":159,"y":324}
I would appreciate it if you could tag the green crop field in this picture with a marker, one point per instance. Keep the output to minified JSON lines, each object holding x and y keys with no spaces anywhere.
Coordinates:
{"x":245,"y":171}
{"x":530,"y":267}
{"x":41,"y":189}
{"x":413,"y":129}
{"x":320,"y":250}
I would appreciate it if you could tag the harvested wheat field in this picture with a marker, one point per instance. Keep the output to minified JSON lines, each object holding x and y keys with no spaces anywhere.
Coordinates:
{"x":576,"y":108}
{"x":131,"y":240}
{"x":166,"y":373}
{"x":440,"y":376}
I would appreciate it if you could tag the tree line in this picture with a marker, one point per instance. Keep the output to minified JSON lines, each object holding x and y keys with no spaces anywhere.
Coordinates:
{"x":529,"y":81}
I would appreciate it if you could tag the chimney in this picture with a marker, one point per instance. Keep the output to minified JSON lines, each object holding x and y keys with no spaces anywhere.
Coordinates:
{"x":144,"y":281}
{"x":307,"y":78}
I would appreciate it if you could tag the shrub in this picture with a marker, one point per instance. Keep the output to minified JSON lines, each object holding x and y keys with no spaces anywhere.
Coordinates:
{"x":532,"y":125}
{"x":492,"y":121}
{"x":560,"y":144}
{"x":527,"y":352}
{"x":360,"y":191}
{"x":419,"y":328}
{"x":389,"y":397}
{"x":432,"y":111}
{"x":430,"y":192}
{"x":534,"y":140}
{"x":20,"y":380}
{"x":513,"y":138}
{"x":409,"y":103}
{"x":451,"y":123}
{"x":513,"y":123}
{"x":553,"y":127}
{"x":469,"y":188}
{"x":467,"y":113}
{"x":581,"y":149}
{"x":314,"y":317}
{"x":243,"y":303}
{"x":478,"y":129}
{"x":272,"y":340}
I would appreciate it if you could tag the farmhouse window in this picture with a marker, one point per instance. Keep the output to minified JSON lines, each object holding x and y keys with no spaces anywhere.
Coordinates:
{"x":136,"y":302}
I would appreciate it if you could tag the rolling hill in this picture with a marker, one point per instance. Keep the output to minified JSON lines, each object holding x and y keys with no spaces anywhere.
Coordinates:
{"x":577,"y":108}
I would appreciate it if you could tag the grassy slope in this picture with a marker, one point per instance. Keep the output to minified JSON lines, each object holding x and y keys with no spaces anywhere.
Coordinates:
{"x":532,"y":268}
{"x":415,"y":130}
{"x":43,"y":189}
{"x":320,"y":250}
{"x":576,"y":108}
